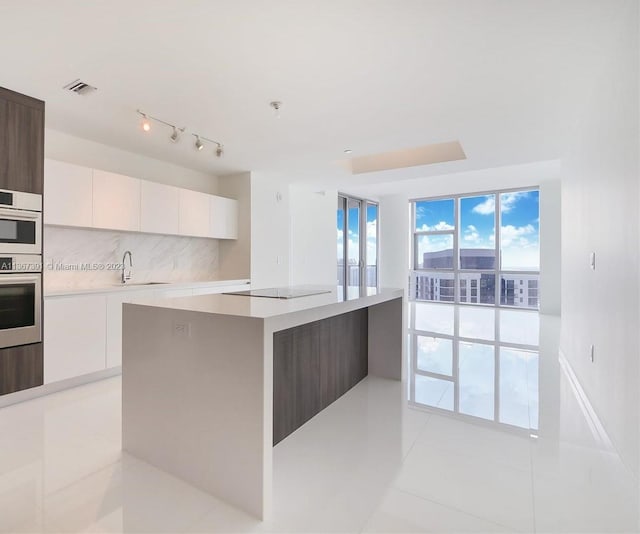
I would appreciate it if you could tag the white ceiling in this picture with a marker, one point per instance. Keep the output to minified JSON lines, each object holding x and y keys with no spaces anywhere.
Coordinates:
{"x":368,"y":75}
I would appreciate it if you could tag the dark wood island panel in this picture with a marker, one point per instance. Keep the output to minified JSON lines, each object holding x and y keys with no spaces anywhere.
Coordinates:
{"x":313,"y":365}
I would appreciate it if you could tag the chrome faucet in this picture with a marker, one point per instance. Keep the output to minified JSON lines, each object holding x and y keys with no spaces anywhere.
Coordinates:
{"x":126,"y":274}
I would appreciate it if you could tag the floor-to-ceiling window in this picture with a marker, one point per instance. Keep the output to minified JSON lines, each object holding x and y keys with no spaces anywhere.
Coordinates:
{"x":357,"y":224}
{"x":480,"y":362}
{"x":477,"y":249}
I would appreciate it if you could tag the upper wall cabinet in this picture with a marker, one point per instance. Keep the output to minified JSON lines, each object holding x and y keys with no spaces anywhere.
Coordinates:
{"x":223,"y":218}
{"x":194,"y":213}
{"x":116,"y":201}
{"x":69,"y":194}
{"x":21,"y":142}
{"x":90,"y":198}
{"x":159,"y":208}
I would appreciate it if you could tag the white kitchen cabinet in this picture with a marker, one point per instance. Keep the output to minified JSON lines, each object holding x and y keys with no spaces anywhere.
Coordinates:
{"x":114,"y":322}
{"x":116,"y":201}
{"x":68,"y":194}
{"x":223,"y":218}
{"x":194,"y":213}
{"x":74,"y":336}
{"x":159,"y":208}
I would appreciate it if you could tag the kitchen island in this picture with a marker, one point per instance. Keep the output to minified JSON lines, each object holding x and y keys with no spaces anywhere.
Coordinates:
{"x":211,"y":383}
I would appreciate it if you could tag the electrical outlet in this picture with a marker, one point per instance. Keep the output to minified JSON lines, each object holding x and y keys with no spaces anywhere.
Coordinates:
{"x":182,"y":330}
{"x":592,"y":353}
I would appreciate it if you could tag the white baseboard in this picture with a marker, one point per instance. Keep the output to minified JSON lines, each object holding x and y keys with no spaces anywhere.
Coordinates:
{"x":593,"y":421}
{"x":47,"y":389}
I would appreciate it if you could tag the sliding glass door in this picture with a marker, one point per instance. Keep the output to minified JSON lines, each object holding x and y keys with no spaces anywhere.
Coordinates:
{"x":357,"y":225}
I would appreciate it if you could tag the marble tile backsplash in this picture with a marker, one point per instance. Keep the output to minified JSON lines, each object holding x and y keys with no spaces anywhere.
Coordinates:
{"x":84,"y":258}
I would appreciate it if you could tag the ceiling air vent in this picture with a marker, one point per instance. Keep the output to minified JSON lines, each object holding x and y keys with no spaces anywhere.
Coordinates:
{"x":79,"y":87}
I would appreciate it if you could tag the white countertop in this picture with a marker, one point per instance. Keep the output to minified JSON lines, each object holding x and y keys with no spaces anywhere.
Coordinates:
{"x":117,"y":288}
{"x":263,"y":308}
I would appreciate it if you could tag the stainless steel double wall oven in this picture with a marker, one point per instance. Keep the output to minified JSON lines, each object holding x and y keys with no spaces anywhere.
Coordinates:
{"x":20,"y":268}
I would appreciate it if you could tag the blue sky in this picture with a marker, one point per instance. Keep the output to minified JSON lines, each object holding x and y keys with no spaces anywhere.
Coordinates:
{"x":519,"y":229}
{"x":353,"y":233}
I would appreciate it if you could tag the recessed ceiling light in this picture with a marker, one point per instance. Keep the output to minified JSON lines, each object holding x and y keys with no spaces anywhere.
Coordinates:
{"x":276,"y":105}
{"x":348,"y":151}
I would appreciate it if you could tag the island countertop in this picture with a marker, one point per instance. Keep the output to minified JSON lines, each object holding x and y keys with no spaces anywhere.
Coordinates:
{"x":211,"y":383}
{"x":265,"y":308}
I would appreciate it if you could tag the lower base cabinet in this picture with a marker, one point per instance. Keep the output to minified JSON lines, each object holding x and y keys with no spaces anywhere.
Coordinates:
{"x":114,"y":324}
{"x":20,"y":368}
{"x":75,"y":336}
{"x":83,"y":333}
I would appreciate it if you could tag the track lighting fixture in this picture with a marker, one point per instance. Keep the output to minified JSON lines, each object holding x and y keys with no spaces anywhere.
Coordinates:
{"x":145,"y":124}
{"x":177,"y":132}
{"x":175,"y":135}
{"x":219,"y":150}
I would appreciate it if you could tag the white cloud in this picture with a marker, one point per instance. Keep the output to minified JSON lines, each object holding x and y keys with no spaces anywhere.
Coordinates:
{"x":520,"y":247}
{"x":509,"y":200}
{"x":372,"y":242}
{"x":507,"y":203}
{"x":353,"y":246}
{"x":516,"y":234}
{"x":471,"y":234}
{"x":442,"y":225}
{"x":488,"y":207}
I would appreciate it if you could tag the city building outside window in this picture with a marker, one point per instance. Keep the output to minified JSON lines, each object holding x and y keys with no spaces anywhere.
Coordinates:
{"x":487,"y":242}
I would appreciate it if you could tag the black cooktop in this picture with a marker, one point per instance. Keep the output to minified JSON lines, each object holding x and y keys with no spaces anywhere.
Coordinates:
{"x":280,"y":292}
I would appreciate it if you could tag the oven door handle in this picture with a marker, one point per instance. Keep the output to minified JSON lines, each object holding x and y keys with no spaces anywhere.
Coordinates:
{"x":10,"y":279}
{"x":19,"y":214}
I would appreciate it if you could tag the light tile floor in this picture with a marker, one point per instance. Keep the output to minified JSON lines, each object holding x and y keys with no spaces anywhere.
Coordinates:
{"x":368,"y":463}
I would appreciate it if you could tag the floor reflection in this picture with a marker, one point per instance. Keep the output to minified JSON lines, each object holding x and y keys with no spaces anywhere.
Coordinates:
{"x":479,"y":362}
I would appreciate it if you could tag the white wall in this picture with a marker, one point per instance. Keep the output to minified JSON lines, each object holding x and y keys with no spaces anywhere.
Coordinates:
{"x":395,"y":241}
{"x":600,"y":214}
{"x":550,"y":247}
{"x":313,"y":235}
{"x":270,"y":228}
{"x":235,"y":255}
{"x":65,"y":147}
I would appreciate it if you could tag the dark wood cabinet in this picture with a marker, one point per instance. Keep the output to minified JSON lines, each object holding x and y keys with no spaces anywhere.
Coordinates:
{"x":21,"y":368}
{"x":21,"y":142}
{"x":313,"y":365}
{"x":21,"y":169}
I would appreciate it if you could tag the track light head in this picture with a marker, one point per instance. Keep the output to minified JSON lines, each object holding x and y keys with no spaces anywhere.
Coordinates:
{"x":145,"y":124}
{"x":199,"y":144}
{"x":219,"y":151}
{"x":175,"y":135}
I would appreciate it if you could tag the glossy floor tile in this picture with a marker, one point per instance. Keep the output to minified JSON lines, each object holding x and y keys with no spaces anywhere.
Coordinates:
{"x":371,"y":462}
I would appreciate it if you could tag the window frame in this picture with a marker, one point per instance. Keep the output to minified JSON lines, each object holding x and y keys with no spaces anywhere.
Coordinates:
{"x":362,"y":226}
{"x":456,"y":264}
